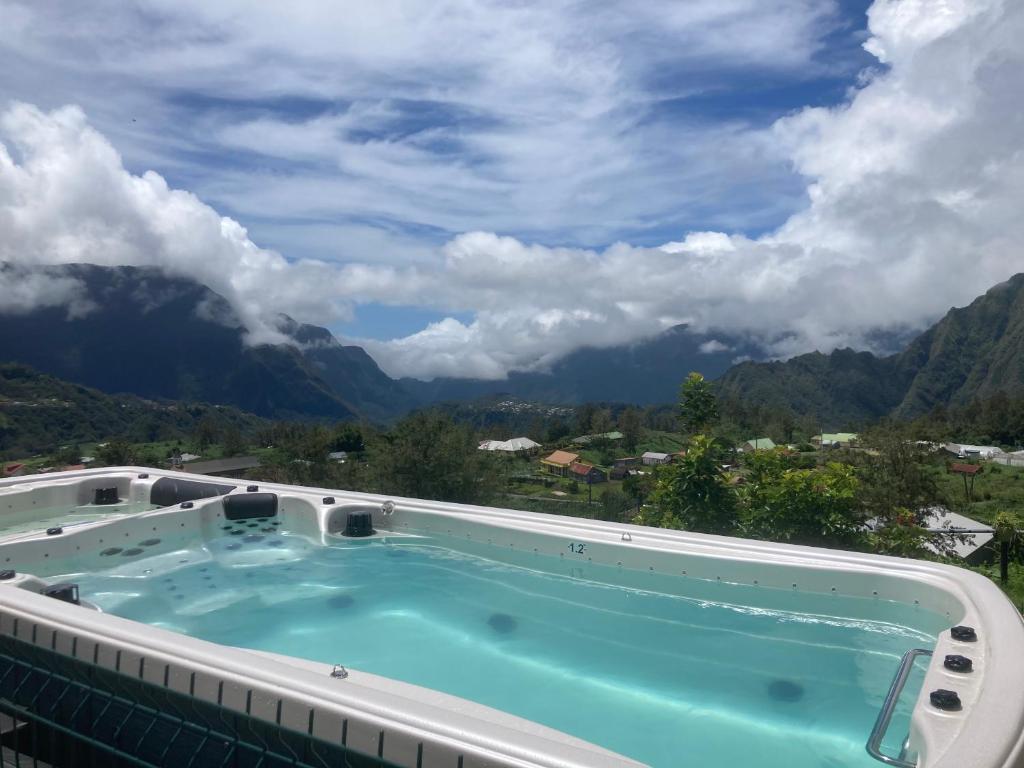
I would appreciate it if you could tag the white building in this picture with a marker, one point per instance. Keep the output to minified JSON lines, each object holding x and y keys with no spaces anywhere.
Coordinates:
{"x":513,"y":445}
{"x":652,"y":458}
{"x":965,"y":451}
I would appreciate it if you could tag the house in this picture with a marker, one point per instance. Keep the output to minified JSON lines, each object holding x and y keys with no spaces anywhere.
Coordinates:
{"x":338,"y":455}
{"x":585,"y":473}
{"x":558,"y":463}
{"x":627,"y":461}
{"x":517,"y":445}
{"x":14,"y":470}
{"x":652,"y":458}
{"x":834,"y":439}
{"x":964,"y":451}
{"x":584,"y":439}
{"x":756,"y":444}
{"x":233,"y":467}
{"x":178,"y":459}
{"x":969,"y":546}
{"x":944,"y":525}
{"x":520,"y":445}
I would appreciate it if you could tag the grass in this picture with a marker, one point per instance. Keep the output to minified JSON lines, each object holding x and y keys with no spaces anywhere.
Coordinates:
{"x":997,"y":489}
{"x":146,"y":453}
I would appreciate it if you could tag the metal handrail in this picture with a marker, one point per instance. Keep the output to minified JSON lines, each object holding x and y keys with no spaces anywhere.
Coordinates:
{"x":885,"y":715}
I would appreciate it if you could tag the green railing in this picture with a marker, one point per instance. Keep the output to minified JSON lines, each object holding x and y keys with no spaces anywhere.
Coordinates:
{"x":56,"y":710}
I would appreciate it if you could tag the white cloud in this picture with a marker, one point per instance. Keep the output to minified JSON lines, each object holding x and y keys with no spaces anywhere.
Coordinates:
{"x":69,"y":199}
{"x":913,"y":190}
{"x":713,"y":345}
{"x":542,"y":119}
{"x":25,"y":290}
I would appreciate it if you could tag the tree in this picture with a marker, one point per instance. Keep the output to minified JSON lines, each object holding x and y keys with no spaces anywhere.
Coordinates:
{"x":614,"y":504}
{"x":804,"y":506}
{"x":631,"y":428}
{"x":694,"y":493}
{"x":349,"y":438}
{"x":584,"y":415}
{"x":204,"y":434}
{"x":638,"y":488}
{"x":428,"y":456}
{"x":601,"y":421}
{"x":893,"y":473}
{"x":232,"y":442}
{"x":697,"y":404}
{"x":898,"y":493}
{"x":68,"y":454}
{"x":116,"y":453}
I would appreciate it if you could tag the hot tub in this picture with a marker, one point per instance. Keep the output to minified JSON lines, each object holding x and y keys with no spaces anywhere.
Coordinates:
{"x":513,"y":638}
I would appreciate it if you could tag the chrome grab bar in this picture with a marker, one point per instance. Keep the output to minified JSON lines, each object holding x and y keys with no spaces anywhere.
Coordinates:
{"x":885,"y":715}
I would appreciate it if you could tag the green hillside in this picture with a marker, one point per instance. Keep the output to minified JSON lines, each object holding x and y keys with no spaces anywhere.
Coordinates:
{"x":38,"y":412}
{"x":972,"y":353}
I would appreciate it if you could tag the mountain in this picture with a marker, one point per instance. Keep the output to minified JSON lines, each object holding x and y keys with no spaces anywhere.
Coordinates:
{"x":645,"y":372}
{"x":141,"y":331}
{"x":350,"y":371}
{"x":972,"y":352}
{"x":38,"y":411}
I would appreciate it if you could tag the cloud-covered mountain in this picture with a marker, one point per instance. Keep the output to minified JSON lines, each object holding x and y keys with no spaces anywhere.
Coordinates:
{"x":974,"y":352}
{"x":894,"y":201}
{"x":646,"y":372}
{"x":137,"y":330}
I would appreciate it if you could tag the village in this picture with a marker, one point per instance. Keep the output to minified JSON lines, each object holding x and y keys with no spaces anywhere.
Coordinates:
{"x":585,"y":468}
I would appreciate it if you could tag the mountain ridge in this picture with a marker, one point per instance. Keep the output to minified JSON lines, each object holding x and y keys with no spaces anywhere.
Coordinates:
{"x":973,"y":352}
{"x":139,"y":330}
{"x":162,"y":336}
{"x":645,"y":372}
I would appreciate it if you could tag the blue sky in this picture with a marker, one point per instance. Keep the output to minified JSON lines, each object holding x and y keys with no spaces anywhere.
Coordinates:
{"x":484,"y":185}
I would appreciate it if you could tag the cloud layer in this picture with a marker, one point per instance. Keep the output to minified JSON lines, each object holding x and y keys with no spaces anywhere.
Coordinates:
{"x":914,"y":188}
{"x":912,"y":185}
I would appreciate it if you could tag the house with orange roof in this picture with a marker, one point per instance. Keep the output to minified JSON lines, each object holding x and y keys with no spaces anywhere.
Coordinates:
{"x":559,"y":462}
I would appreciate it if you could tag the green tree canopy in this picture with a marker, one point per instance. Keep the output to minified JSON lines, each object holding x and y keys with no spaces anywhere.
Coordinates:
{"x":697,"y":404}
{"x":631,"y":426}
{"x":694,"y":493}
{"x":428,"y":456}
{"x":818,"y":506}
{"x":116,"y":453}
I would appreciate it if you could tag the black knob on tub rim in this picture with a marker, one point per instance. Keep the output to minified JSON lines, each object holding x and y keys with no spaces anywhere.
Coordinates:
{"x":957,"y":663}
{"x":948,"y":701}
{"x":7,"y":575}
{"x":328,"y":500}
{"x":358,"y":524}
{"x":964,"y":634}
{"x":55,"y":531}
{"x":103,"y":496}
{"x":66,"y":591}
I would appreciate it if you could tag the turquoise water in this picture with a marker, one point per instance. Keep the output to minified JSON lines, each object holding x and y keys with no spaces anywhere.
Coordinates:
{"x":669,"y":671}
